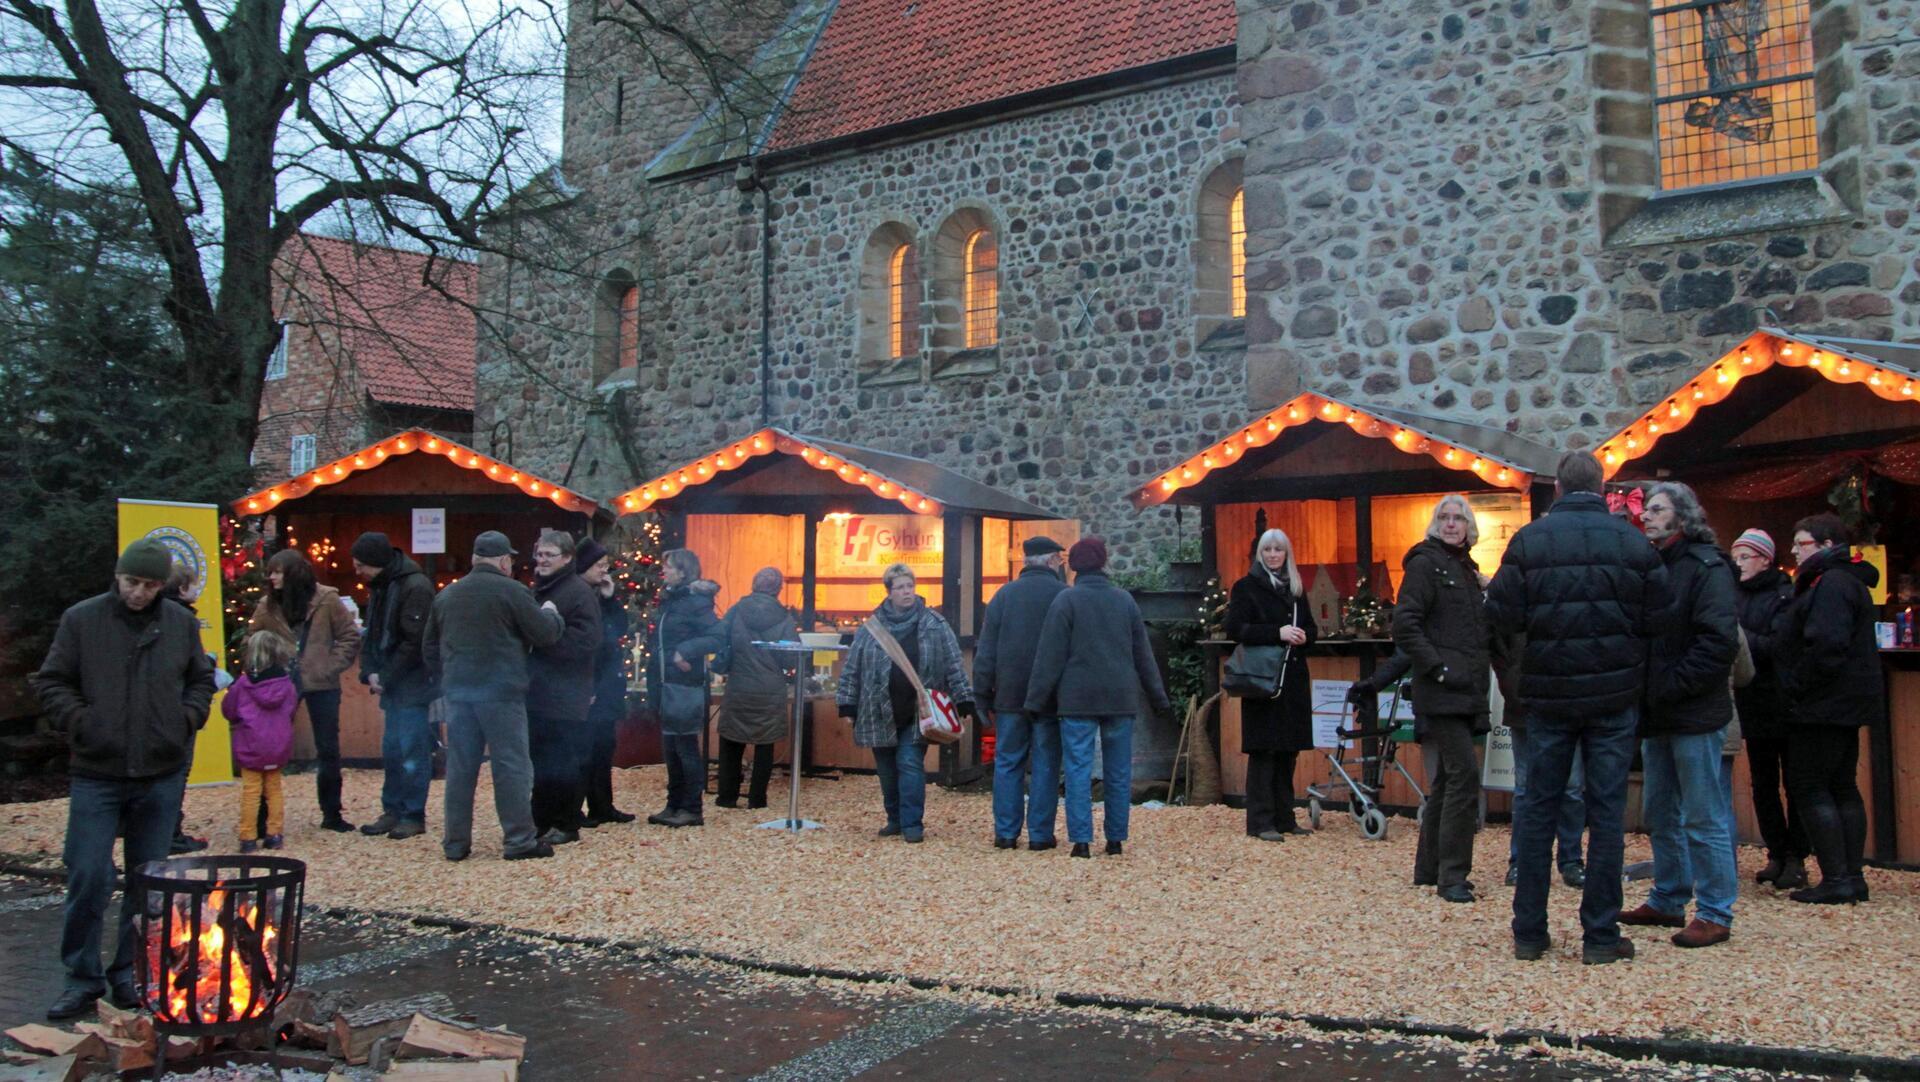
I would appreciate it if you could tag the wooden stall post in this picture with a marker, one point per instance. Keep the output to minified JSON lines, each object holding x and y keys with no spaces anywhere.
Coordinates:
{"x":810,"y":569}
{"x":952,"y":527}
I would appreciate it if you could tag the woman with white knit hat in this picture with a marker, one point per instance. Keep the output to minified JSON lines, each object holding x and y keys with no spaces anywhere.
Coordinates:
{"x":1764,"y":591}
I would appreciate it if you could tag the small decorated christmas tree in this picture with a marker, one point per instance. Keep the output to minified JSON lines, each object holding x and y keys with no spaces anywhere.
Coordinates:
{"x":1366,"y":616}
{"x":1213,"y":610}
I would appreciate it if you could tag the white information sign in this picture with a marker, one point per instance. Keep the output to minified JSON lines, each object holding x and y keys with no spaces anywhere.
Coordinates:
{"x":429,"y":530}
{"x":1496,"y":770}
{"x":1330,"y":711}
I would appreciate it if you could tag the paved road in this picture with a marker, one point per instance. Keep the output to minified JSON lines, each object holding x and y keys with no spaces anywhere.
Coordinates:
{"x":594,"y":1013}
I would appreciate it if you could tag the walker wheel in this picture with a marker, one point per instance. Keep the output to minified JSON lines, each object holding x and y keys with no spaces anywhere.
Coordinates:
{"x":1313,"y":813}
{"x":1373,"y":824}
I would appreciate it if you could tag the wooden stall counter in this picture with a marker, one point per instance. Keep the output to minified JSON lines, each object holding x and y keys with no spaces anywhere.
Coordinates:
{"x":1890,"y":763}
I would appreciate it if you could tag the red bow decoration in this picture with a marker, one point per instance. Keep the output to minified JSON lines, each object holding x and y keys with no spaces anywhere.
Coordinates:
{"x":1631,"y":503}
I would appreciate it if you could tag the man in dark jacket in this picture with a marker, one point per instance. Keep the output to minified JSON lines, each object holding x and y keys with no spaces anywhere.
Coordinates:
{"x":1002,"y":662}
{"x":1688,"y":811}
{"x":127,"y":681}
{"x":1765,"y":592}
{"x":1831,"y":666}
{"x":1584,"y":587}
{"x":560,"y":690}
{"x":1093,"y":662}
{"x":476,"y":646}
{"x":398,"y":603}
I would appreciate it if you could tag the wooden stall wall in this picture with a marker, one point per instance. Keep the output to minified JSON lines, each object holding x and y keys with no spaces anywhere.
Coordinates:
{"x":1001,"y":549}
{"x":1323,"y":532}
{"x":733,"y":547}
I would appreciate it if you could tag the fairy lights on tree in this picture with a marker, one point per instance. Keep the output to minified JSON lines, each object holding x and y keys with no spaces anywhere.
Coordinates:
{"x":243,"y":575}
{"x":636,"y":572}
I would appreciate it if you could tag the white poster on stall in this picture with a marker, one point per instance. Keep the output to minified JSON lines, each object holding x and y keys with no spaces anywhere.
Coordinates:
{"x":1331,"y":712}
{"x":429,"y":530}
{"x":1496,"y":770}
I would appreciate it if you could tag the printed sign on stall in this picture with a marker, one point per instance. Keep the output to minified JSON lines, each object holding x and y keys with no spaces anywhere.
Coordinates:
{"x":429,"y":530}
{"x":191,"y":533}
{"x":862,"y":546}
{"x":1331,"y":712}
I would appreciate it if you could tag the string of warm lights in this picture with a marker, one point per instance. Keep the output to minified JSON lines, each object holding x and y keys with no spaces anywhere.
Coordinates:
{"x":1716,"y":381}
{"x":637,"y":582}
{"x":1308,"y":408}
{"x":411,"y":442}
{"x":765,"y":442}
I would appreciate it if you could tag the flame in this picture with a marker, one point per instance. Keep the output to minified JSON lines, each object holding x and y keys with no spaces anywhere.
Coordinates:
{"x":189,"y":969}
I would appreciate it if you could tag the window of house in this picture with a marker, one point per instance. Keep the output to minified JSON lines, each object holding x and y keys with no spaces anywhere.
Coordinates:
{"x":1237,"y":251}
{"x":903,"y":302}
{"x":629,"y":345}
{"x":304,"y":454}
{"x":1733,"y":90}
{"x":1220,"y":258}
{"x":982,"y":263}
{"x":277,"y":360}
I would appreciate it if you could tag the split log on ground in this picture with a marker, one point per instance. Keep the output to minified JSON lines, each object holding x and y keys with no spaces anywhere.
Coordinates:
{"x":428,"y":1037}
{"x":47,"y":1069}
{"x":58,"y":1042}
{"x":452,"y":1070}
{"x":179,"y":1048}
{"x":19,"y":1058}
{"x":355,"y":1031}
{"x":125,"y":1051}
{"x":124,"y":1023}
{"x":309,"y":1035}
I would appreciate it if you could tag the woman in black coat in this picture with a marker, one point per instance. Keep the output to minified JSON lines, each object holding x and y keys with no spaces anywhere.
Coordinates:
{"x":1764,"y":593}
{"x":686,"y":630}
{"x":1440,"y":625}
{"x":1269,"y":608}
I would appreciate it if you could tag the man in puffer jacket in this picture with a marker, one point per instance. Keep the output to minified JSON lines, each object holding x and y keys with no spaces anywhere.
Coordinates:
{"x":1689,"y":704}
{"x":1585,"y":589}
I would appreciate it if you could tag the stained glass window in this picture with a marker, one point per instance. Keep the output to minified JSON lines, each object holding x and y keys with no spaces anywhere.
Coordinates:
{"x":1733,"y":90}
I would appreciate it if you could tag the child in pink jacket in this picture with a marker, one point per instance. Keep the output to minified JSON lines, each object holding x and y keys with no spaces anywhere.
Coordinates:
{"x":260,"y":707}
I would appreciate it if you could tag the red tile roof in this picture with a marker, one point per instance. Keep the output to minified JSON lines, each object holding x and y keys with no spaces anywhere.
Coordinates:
{"x":412,"y":343}
{"x":882,"y":62}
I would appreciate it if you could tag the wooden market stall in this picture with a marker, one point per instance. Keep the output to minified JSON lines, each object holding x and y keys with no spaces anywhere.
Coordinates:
{"x":431,"y":496}
{"x":1353,"y":487}
{"x":1786,"y":425}
{"x":831,"y":517}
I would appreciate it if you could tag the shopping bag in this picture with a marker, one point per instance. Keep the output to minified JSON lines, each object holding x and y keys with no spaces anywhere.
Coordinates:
{"x":939,"y":723}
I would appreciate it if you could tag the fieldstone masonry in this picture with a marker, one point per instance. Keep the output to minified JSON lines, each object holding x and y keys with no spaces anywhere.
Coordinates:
{"x":1424,"y":229}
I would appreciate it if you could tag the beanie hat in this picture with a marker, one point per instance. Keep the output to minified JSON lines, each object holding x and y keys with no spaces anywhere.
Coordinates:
{"x":588,"y":553}
{"x":145,"y":559}
{"x":373,"y":549}
{"x":1758,"y":541}
{"x":1087,"y":554}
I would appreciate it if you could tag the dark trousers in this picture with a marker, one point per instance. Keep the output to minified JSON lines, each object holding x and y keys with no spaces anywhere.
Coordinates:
{"x":1780,"y":825}
{"x":1270,"y":790}
{"x":1445,"y":853}
{"x":731,"y":753}
{"x":98,"y":812}
{"x":1821,"y":763}
{"x":180,"y":818}
{"x":686,"y":771}
{"x":1606,"y":746}
{"x":596,"y":780}
{"x":558,"y":747}
{"x":323,"y":710}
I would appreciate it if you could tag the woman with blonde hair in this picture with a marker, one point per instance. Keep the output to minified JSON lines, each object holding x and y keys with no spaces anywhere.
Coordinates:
{"x":1440,"y":626}
{"x":1268,"y":607}
{"x":883,"y":704}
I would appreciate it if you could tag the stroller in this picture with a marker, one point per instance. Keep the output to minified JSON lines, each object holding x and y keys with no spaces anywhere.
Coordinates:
{"x":1371,"y":751}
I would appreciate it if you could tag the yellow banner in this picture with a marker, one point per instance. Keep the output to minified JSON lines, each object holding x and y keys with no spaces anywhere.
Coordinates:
{"x":191,"y":531}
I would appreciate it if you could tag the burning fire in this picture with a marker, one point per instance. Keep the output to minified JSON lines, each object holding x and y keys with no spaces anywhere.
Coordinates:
{"x":235,"y":938}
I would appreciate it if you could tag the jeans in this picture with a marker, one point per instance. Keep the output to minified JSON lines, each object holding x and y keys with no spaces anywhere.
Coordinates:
{"x":727,"y":789}
{"x":1606,"y":743}
{"x":98,"y":811}
{"x":406,"y":751}
{"x":323,"y":711}
{"x":903,"y":779}
{"x":1444,"y":856}
{"x":1270,"y":791}
{"x":1686,"y":806}
{"x":261,"y":790}
{"x":1116,"y":774}
{"x":495,"y":730}
{"x":686,"y":772}
{"x":1822,"y":761}
{"x":1780,"y":825}
{"x":1024,"y":741}
{"x":1573,"y":814}
{"x":558,"y":747}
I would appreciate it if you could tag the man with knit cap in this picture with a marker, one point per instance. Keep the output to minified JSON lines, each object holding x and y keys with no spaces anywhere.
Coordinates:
{"x":1092,"y":664}
{"x":393,"y":668}
{"x":128,"y":683}
{"x":1002,"y":664}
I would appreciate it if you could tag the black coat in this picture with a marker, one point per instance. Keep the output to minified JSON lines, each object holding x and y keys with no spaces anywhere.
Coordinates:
{"x":610,"y":660}
{"x":1003,"y":658}
{"x":758,"y":684}
{"x":1256,"y":612}
{"x":1689,"y":668}
{"x":1585,"y":588}
{"x":1762,"y":704}
{"x":129,"y":689}
{"x":1094,"y":659}
{"x":560,"y":675}
{"x":1440,"y":624}
{"x":400,"y":601}
{"x":1829,"y":658}
{"x":684,"y":622}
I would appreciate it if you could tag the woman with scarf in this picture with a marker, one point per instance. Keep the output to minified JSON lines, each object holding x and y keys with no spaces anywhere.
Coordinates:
{"x":1440,"y":625}
{"x":686,"y":631}
{"x":881,"y":700}
{"x":311,"y":616}
{"x":1268,"y":607}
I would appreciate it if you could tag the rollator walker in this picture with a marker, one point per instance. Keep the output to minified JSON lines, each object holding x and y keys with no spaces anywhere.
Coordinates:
{"x":1370,"y":752}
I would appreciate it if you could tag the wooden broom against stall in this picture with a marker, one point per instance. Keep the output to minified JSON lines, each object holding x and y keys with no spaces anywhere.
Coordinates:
{"x":1203,"y":766}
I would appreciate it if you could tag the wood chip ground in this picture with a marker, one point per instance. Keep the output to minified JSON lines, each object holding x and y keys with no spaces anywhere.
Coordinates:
{"x":1195,"y":912}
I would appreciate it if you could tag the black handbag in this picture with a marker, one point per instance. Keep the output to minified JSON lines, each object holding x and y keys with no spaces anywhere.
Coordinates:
{"x":1255,"y":672}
